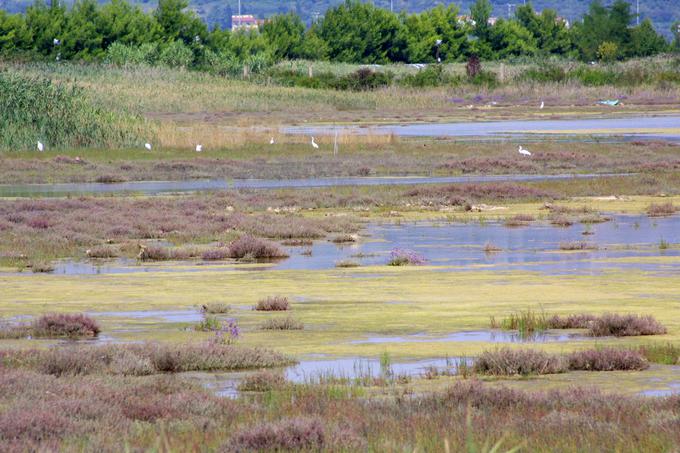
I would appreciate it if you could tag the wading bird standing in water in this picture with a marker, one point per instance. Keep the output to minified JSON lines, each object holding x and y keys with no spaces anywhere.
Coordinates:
{"x":314,"y":144}
{"x":524,"y":152}
{"x":542,"y":105}
{"x":199,"y":148}
{"x":41,"y":147}
{"x":271,"y":142}
{"x":147,"y":146}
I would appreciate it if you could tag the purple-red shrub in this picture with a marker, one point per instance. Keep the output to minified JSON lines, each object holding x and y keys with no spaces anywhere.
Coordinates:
{"x":65,"y":325}
{"x":511,"y":362}
{"x":294,"y":434}
{"x":254,"y":248}
{"x":607,"y":359}
{"x":610,"y":324}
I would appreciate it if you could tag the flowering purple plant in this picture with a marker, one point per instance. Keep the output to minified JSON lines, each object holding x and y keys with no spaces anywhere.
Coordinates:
{"x":402,"y":257}
{"x":228,"y":333}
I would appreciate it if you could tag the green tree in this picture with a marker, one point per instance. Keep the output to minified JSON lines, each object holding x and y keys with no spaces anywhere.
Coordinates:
{"x":550,"y":32}
{"x":675,"y":29}
{"x":121,"y":22}
{"x":591,"y":31}
{"x":81,"y":39}
{"x":14,"y":33}
{"x":509,"y":38}
{"x":46,"y":23}
{"x":285,"y":35}
{"x":361,"y":33}
{"x":179,"y":24}
{"x":480,"y":12}
{"x":422,"y":31}
{"x":645,"y":41}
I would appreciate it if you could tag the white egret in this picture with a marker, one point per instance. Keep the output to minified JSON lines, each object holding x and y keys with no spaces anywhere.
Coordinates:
{"x":523,"y":152}
{"x":542,"y":105}
{"x":147,"y":146}
{"x":271,"y":142}
{"x":199,"y":148}
{"x":56,"y":42}
{"x":314,"y":144}
{"x":41,"y":147}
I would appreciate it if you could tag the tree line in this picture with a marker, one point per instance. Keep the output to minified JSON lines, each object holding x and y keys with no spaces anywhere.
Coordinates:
{"x":352,"y":32}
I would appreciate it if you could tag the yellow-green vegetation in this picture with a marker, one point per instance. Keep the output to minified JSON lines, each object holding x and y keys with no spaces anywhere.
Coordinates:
{"x":340,"y":306}
{"x":183,"y":97}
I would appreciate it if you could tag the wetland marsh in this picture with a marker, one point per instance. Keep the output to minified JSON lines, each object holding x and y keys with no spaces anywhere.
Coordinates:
{"x":401,"y":294}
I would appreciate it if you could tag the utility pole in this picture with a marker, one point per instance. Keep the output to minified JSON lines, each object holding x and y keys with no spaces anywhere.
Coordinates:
{"x":391,"y":6}
{"x":239,"y":14}
{"x":637,"y":10}
{"x":510,"y":5}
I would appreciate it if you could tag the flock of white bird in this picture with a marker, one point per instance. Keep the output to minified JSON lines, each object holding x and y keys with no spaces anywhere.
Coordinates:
{"x":199,"y":147}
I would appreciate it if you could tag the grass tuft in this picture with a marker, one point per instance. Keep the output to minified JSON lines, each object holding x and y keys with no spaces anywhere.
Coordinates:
{"x":273,"y":303}
{"x":288,"y":323}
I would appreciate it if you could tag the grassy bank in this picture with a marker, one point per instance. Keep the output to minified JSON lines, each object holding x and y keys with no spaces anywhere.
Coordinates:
{"x":251,"y":156}
{"x":178,"y":96}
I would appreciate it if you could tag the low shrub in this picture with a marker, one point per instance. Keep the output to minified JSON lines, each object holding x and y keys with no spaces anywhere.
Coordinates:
{"x":109,"y":179}
{"x":41,"y":267}
{"x":519,"y":220}
{"x":401,"y":257}
{"x":611,"y":324}
{"x":511,"y":362}
{"x":215,"y":308}
{"x":659,"y":210}
{"x":491,"y":248}
{"x":347,"y":263}
{"x":561,"y":221}
{"x":216,"y":254}
{"x":56,"y":325}
{"x":102,"y":252}
{"x":293,"y":434}
{"x":607,"y":359}
{"x":344,"y":238}
{"x":577,"y":245}
{"x":575,"y":321}
{"x":288,"y":323}
{"x":159,"y":253}
{"x":297,"y":242}
{"x":254,"y":248}
{"x":143,"y":359}
{"x":209,"y":324}
{"x":262,"y":381}
{"x":273,"y":303}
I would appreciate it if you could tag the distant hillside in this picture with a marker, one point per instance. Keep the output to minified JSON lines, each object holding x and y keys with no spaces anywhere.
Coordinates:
{"x":218,"y":12}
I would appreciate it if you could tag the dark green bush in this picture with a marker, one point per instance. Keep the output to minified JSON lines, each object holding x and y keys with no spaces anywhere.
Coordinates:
{"x":363,"y":79}
{"x":485,"y":78}
{"x":594,"y":76}
{"x":543,"y":74}
{"x":431,"y":76}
